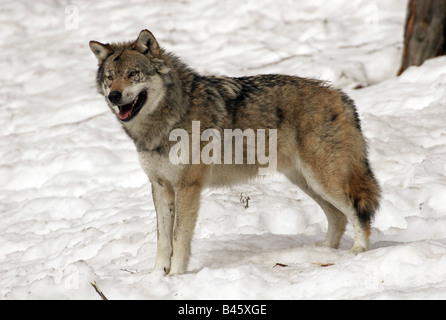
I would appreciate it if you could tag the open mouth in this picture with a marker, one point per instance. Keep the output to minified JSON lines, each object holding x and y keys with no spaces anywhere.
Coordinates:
{"x":128,"y":111}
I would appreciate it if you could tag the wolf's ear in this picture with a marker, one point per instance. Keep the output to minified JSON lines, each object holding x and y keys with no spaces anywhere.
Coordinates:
{"x":101,"y":51}
{"x":146,"y":43}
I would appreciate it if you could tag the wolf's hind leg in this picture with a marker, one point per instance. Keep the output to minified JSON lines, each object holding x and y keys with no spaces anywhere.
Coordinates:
{"x":361,"y":230}
{"x":359,"y":203}
{"x":337,"y":212}
{"x":336,"y":225}
{"x":336,"y":219}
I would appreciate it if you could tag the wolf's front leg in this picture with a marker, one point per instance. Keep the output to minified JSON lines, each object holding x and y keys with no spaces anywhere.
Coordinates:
{"x":187,"y":202}
{"x":164,"y":199}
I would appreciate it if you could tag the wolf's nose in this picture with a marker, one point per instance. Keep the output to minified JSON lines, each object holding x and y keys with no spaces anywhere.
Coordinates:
{"x":115,"y":97}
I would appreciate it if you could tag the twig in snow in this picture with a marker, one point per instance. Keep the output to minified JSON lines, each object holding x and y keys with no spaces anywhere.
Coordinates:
{"x":281,"y":265}
{"x":324,"y":265}
{"x":129,"y":271}
{"x":103,"y":297}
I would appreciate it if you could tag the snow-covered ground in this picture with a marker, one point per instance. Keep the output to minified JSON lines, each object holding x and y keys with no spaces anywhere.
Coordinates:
{"x":75,"y":206}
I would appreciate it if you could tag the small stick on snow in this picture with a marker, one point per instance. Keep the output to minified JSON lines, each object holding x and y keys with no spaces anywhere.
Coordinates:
{"x":281,"y":265}
{"x":324,"y":265}
{"x":103,"y":297}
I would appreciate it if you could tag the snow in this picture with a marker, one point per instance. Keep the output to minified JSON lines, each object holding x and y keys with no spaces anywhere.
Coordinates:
{"x":75,"y":206}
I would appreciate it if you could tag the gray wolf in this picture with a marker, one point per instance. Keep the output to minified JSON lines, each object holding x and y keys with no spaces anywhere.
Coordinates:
{"x":320,"y":147}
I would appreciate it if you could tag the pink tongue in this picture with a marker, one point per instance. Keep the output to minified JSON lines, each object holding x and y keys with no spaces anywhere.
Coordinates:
{"x":125,"y":111}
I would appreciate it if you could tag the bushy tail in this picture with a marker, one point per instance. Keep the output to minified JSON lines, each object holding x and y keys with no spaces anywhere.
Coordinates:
{"x":364,"y":194}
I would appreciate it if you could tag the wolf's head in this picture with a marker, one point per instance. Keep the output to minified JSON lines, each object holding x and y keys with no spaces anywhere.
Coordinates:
{"x":131,"y":76}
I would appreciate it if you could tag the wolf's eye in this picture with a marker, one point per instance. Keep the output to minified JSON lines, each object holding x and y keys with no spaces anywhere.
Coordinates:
{"x":110,"y":77}
{"x":133,"y":73}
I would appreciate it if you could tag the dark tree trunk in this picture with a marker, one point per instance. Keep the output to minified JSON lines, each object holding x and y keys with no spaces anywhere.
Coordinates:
{"x":425,"y":32}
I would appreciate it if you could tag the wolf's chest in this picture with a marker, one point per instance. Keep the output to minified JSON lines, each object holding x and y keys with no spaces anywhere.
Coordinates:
{"x":158,"y":166}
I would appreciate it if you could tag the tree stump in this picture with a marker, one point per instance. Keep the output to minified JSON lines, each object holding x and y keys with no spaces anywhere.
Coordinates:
{"x":425,"y":33}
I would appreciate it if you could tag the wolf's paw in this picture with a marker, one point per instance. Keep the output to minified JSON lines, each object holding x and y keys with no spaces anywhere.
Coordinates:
{"x":322,"y":244}
{"x":163,"y":265}
{"x":356,"y":250}
{"x":326,"y":244}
